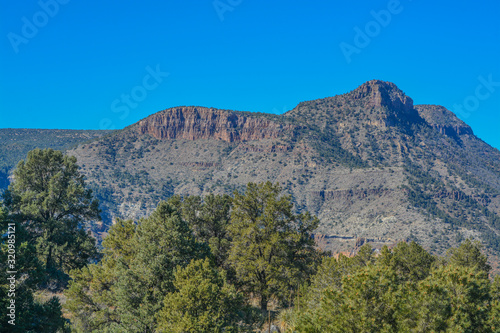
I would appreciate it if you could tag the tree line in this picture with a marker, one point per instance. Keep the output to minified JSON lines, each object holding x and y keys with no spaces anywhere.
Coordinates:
{"x":216,"y":264}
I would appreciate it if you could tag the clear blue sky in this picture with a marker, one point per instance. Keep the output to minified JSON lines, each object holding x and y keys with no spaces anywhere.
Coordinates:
{"x":74,"y":66}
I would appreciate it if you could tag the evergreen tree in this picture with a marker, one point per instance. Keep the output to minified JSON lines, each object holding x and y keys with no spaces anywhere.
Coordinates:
{"x":367,"y":302}
{"x":49,"y":200}
{"x":163,"y":242}
{"x":364,"y":257}
{"x":91,"y":293}
{"x":411,"y":262}
{"x":494,"y":320}
{"x":124,"y":292}
{"x":452,"y":299}
{"x":468,"y":254}
{"x":209,"y":218}
{"x":30,"y":315}
{"x":272,"y":249}
{"x":213,"y":225}
{"x":203,"y":301}
{"x":404,"y":292}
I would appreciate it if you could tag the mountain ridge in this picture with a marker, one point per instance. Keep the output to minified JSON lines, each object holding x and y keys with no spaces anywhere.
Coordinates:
{"x":369,"y":163}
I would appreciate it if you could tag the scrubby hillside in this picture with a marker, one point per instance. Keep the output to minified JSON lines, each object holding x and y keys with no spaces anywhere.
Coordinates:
{"x":369,"y":163}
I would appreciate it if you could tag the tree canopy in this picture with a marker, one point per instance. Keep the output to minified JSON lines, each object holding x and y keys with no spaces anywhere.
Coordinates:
{"x":50,"y":201}
{"x":126,"y":289}
{"x":203,"y":301}
{"x":272,"y":249}
{"x":46,"y":210}
{"x":403,"y":290}
{"x":170,"y":271}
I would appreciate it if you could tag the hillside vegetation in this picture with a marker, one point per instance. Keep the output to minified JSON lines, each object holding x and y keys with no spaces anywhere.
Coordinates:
{"x":16,"y":143}
{"x":217,"y":263}
{"x":368,"y":163}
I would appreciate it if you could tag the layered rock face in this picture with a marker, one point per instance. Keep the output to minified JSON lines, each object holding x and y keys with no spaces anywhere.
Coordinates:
{"x":193,"y":123}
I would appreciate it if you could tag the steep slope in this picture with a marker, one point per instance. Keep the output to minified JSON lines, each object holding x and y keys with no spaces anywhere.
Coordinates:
{"x":450,"y":177}
{"x":369,"y":163}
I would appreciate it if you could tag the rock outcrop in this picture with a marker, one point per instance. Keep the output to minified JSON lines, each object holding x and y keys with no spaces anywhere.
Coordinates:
{"x":443,"y":120}
{"x":349,"y":194}
{"x":193,"y":123}
{"x":383,"y":94}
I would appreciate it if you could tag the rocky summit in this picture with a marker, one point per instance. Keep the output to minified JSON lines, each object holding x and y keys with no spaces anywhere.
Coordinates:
{"x":369,"y":163}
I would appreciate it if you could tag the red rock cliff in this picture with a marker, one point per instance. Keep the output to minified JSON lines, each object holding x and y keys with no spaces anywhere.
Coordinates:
{"x":192,"y":123}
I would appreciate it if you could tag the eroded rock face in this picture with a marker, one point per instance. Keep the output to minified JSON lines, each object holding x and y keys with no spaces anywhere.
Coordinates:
{"x":350,"y":194}
{"x":443,"y":120}
{"x":192,"y":123}
{"x":383,"y":94}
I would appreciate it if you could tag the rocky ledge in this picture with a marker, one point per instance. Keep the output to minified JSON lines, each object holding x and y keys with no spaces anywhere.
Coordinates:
{"x":193,"y":123}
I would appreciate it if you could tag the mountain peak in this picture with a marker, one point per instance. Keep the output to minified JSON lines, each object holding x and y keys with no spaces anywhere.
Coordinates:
{"x":378,"y":85}
{"x":381,"y":94}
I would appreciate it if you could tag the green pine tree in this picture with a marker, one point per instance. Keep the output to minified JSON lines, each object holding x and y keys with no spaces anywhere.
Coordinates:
{"x":367,"y":302}
{"x":469,"y":254}
{"x":209,"y":218}
{"x":272,"y":249}
{"x":49,"y":200}
{"x":126,"y":289}
{"x":452,"y":299}
{"x":91,"y":293}
{"x":203,"y":301}
{"x":411,"y":262}
{"x":30,"y":314}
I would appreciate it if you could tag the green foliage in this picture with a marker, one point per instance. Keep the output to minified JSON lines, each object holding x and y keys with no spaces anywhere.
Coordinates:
{"x":31,"y":315}
{"x":403,"y":291}
{"x":367,"y":302}
{"x":409,"y":261}
{"x":329,"y":275}
{"x":169,"y":273}
{"x":331,"y":271}
{"x":203,"y":301}
{"x":91,"y":294}
{"x":49,"y":200}
{"x":47,"y":207}
{"x":127,"y":288}
{"x":451,"y":299}
{"x":151,"y":276}
{"x":209,"y":218}
{"x":163,"y":241}
{"x":364,"y":257}
{"x":468,"y":254}
{"x":272,"y":249}
{"x":16,"y":143}
{"x":494,"y":319}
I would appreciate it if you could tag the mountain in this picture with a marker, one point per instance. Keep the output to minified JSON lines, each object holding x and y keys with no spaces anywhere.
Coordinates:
{"x":370,"y":164}
{"x":16,"y":143}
